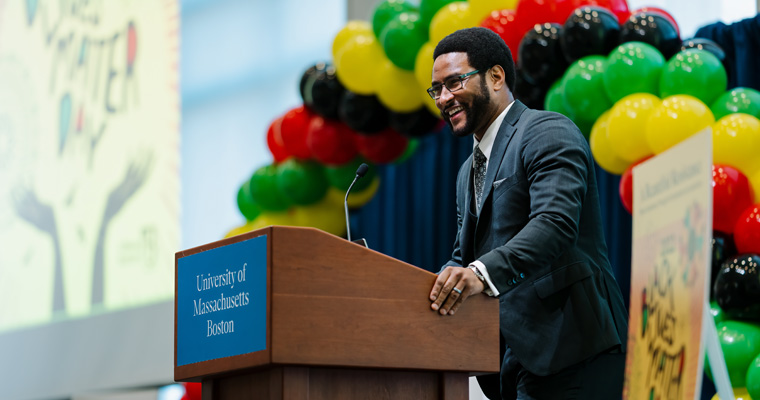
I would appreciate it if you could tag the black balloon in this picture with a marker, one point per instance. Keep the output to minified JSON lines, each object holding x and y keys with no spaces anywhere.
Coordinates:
{"x":414,"y":124}
{"x":723,"y":247}
{"x":737,"y":287}
{"x":589,"y":31}
{"x":531,"y":95}
{"x":652,"y":28}
{"x":308,"y":78}
{"x":540,"y":54}
{"x":704,"y":44}
{"x":325,"y":93}
{"x":364,"y":114}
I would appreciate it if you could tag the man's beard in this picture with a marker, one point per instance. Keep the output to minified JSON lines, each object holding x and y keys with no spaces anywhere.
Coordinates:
{"x":475,"y":112}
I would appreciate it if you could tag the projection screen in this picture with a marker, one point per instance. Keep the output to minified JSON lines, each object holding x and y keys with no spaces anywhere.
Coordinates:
{"x":89,"y":194}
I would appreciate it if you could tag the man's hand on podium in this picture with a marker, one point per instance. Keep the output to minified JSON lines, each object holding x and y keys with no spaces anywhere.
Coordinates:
{"x":452,"y":287}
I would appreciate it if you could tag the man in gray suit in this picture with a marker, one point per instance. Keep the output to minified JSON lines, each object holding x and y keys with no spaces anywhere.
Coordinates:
{"x":530,"y":232}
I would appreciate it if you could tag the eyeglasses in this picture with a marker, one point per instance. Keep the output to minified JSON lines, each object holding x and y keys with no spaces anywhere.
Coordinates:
{"x":452,"y":84}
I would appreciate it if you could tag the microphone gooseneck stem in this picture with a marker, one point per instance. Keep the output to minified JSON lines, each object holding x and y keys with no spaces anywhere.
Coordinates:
{"x":345,"y":207}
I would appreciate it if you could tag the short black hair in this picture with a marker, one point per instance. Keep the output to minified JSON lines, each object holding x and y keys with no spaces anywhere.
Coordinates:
{"x":484,"y":49}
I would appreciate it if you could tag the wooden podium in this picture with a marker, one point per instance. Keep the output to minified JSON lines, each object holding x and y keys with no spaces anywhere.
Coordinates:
{"x":346,"y":322}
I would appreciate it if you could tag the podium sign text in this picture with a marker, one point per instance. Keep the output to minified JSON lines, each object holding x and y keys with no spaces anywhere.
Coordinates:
{"x":222,"y":302}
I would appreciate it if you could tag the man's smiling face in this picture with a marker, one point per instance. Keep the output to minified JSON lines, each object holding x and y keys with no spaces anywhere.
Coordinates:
{"x":465,"y":110}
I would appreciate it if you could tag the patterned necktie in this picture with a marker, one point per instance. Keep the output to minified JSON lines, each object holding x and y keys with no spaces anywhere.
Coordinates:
{"x":479,"y":160}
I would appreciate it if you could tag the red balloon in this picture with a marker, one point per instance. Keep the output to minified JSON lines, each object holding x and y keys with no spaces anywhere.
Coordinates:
{"x":732,"y":194}
{"x":532,"y":12}
{"x":661,"y":12}
{"x":626,"y":186}
{"x":192,"y":391}
{"x":331,"y":142}
{"x":295,"y":125}
{"x":503,"y":23}
{"x":617,"y":7}
{"x":626,"y":189}
{"x":566,"y":7}
{"x":747,"y":230}
{"x":274,"y":141}
{"x":382,"y":147}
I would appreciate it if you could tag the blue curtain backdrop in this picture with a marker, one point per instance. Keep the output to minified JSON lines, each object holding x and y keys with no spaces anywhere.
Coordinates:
{"x":741,"y":42}
{"x":413,"y":215}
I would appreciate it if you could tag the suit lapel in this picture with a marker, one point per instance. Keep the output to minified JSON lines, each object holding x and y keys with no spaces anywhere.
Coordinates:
{"x":503,"y":136}
{"x":466,"y":191}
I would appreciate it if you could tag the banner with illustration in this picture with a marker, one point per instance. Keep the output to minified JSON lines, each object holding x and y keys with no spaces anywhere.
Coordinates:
{"x":672,"y":223}
{"x":89,"y":157}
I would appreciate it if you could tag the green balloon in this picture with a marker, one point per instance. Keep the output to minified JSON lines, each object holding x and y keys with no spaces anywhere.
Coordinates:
{"x":633,"y":67}
{"x":753,"y":378}
{"x":737,"y":100}
{"x":245,"y":203}
{"x":694,"y":72}
{"x":402,"y":38}
{"x":386,"y":11}
{"x":341,"y":177}
{"x":411,"y":148}
{"x":428,"y":8}
{"x":265,"y":191}
{"x":740,"y":342}
{"x":555,"y":100}
{"x":585,"y":126}
{"x":717,"y":312}
{"x":303,"y":182}
{"x":583,"y":85}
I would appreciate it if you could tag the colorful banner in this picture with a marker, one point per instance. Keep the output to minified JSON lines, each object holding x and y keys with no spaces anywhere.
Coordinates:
{"x":670,"y":272}
{"x":89,"y":157}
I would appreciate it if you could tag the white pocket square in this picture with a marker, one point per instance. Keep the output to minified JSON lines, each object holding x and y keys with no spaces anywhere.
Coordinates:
{"x":499,"y":182}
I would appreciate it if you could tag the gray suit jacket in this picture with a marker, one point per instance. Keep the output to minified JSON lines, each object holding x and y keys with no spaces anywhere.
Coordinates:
{"x":539,"y":234}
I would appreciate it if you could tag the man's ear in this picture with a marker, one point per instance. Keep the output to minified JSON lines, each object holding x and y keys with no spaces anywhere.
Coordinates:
{"x":497,"y":77}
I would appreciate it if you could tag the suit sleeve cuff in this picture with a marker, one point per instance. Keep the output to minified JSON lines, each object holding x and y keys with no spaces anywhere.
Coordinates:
{"x":490,"y":288}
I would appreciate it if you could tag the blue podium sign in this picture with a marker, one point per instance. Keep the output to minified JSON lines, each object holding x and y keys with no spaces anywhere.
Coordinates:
{"x":222,"y":302}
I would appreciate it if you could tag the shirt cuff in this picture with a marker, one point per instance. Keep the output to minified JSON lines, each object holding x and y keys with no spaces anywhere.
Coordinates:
{"x":491,"y":289}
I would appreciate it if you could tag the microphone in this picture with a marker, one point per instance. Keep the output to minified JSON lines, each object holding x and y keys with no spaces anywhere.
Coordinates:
{"x":360,"y":172}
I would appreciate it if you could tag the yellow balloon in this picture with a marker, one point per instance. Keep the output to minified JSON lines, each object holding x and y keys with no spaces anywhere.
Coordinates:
{"x":357,"y":64}
{"x":265,"y":219}
{"x":238,"y":230}
{"x":355,"y":199}
{"x":352,"y":29}
{"x":675,"y":119}
{"x":326,"y":215}
{"x":451,"y":17}
{"x":754,"y":180}
{"x":481,"y":8}
{"x":625,"y":126}
{"x":423,"y":65}
{"x":739,"y":394}
{"x":397,"y":89}
{"x":601,"y":149}
{"x":736,"y":142}
{"x":430,"y":104}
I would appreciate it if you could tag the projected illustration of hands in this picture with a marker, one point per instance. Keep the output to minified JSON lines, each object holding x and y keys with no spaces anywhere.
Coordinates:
{"x":42,"y":216}
{"x":136,"y":175}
